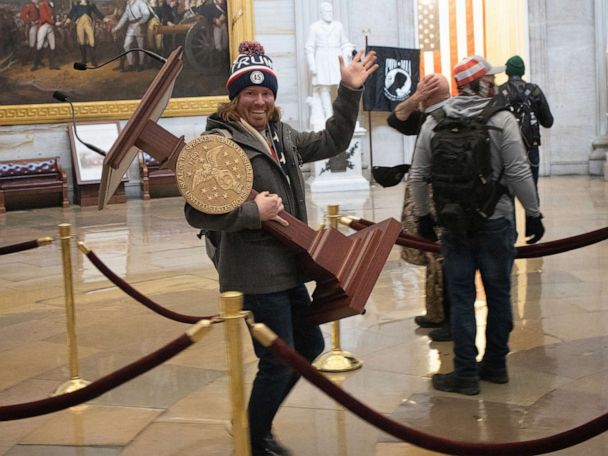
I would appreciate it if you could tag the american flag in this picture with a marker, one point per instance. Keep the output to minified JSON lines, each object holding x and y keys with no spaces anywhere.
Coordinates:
{"x":448,"y":31}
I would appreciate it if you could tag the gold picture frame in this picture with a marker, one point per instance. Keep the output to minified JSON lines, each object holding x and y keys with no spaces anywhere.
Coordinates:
{"x":240,"y":27}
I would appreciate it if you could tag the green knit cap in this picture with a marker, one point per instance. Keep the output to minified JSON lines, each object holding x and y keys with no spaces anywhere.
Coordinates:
{"x":515,"y":66}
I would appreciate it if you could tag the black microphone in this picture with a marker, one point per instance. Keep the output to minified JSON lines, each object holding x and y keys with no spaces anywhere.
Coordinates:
{"x":60,"y":96}
{"x":81,"y":66}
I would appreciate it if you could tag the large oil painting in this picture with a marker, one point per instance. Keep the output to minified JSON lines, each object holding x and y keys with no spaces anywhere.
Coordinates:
{"x":40,"y":40}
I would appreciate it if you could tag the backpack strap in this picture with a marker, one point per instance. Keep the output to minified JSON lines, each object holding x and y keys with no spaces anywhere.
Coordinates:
{"x":438,"y":114}
{"x":511,"y":93}
{"x":495,"y":105}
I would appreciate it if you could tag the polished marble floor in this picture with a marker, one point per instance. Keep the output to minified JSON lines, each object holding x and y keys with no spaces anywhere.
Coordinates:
{"x":558,"y":365}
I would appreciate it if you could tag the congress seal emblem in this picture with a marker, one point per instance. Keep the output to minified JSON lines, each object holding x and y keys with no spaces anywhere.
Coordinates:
{"x":213,"y":174}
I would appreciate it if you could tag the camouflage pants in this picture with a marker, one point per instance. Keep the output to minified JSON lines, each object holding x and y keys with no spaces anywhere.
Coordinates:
{"x":432,"y":261}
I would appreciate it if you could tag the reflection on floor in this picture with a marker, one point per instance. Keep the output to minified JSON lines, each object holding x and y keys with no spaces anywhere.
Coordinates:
{"x":558,"y":365}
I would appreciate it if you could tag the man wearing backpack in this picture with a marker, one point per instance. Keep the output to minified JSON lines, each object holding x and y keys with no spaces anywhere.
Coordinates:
{"x":529,"y":105}
{"x":472,"y":153}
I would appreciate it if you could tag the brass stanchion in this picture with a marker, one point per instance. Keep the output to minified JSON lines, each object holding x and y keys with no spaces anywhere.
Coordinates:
{"x":231,"y":303}
{"x":75,"y":382}
{"x":336,"y":360}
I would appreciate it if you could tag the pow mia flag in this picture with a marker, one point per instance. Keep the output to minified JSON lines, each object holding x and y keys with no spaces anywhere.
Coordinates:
{"x":394,"y":81}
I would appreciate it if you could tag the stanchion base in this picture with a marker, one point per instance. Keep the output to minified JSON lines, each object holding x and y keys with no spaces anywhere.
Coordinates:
{"x":70,"y":386}
{"x":337,"y":361}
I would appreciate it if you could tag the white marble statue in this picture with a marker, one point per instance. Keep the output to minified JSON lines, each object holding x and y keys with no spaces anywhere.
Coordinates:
{"x":326,"y":41}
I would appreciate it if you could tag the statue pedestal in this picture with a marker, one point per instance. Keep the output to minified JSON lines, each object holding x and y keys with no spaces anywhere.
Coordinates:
{"x":351,"y":203}
{"x":341,"y":173}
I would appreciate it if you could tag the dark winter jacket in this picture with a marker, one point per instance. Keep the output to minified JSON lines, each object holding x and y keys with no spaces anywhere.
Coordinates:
{"x":409,"y":127}
{"x":249,"y":259}
{"x":539,"y":103}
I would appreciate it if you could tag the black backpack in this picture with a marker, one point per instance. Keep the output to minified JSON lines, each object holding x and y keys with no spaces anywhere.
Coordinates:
{"x":519,"y":102}
{"x":463,"y":192}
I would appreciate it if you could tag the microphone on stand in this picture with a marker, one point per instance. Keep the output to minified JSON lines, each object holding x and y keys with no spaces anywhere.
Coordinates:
{"x":60,"y":96}
{"x":81,"y":66}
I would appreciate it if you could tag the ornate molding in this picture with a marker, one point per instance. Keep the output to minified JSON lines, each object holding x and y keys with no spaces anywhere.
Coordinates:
{"x":102,"y":110}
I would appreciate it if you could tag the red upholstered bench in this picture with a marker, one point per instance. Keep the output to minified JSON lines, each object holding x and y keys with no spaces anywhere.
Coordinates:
{"x":32,"y":180}
{"x":156,"y":181}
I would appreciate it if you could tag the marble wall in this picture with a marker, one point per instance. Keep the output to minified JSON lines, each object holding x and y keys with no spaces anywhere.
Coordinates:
{"x":563,"y":63}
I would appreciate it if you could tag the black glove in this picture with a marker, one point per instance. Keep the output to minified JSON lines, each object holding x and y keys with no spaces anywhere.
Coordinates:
{"x":389,"y":176}
{"x":426,"y":227}
{"x":534,"y":229}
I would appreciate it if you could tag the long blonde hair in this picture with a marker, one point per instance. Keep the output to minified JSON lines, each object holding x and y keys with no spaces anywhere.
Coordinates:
{"x":227,"y":111}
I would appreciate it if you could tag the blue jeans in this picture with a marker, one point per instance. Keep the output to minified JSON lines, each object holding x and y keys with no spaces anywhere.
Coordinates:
{"x":491,"y":251}
{"x":284,"y":312}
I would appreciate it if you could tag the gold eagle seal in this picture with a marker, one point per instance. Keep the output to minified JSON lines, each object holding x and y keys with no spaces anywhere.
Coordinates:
{"x":213,"y":174}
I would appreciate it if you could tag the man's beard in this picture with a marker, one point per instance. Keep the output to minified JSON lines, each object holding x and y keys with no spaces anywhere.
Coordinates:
{"x":480,"y":88}
{"x":487,"y":89}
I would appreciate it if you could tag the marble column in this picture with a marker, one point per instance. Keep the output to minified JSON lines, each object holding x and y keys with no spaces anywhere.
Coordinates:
{"x":598,"y":158}
{"x":537,"y":30}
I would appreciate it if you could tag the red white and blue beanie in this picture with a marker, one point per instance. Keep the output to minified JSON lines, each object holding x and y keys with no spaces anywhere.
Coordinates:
{"x":473,"y":67}
{"x":251,"y":68}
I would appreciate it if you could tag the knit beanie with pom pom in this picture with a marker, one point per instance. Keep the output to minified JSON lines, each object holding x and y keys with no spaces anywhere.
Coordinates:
{"x":251,"y":68}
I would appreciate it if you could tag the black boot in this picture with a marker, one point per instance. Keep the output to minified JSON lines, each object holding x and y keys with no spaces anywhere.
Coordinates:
{"x":83,"y":54}
{"x":442,"y":334}
{"x":52,"y":63}
{"x":93,"y":56}
{"x":37,"y":60}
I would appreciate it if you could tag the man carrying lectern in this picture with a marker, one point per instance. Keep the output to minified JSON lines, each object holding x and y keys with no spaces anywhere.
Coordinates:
{"x":251,"y":260}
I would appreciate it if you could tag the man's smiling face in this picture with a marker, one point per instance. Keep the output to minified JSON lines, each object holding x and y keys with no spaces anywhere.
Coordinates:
{"x":255,"y":105}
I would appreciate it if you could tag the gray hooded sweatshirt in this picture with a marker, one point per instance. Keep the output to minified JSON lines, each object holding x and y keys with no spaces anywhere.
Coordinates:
{"x":508,"y":153}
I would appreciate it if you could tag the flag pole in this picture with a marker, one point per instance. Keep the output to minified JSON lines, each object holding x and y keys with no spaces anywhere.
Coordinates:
{"x":369,"y":129}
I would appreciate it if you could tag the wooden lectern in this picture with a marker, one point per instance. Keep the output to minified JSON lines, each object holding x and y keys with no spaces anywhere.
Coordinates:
{"x":345,"y":268}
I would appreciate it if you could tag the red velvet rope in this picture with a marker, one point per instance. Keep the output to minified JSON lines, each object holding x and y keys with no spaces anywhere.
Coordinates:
{"x":529,"y":447}
{"x":27,"y":245}
{"x":524,"y":251}
{"x":98,"y":387}
{"x":128,"y":289}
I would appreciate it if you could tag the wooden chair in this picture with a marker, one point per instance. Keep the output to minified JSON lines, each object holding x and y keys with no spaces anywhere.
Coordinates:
{"x":27,"y":183}
{"x":156,"y":181}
